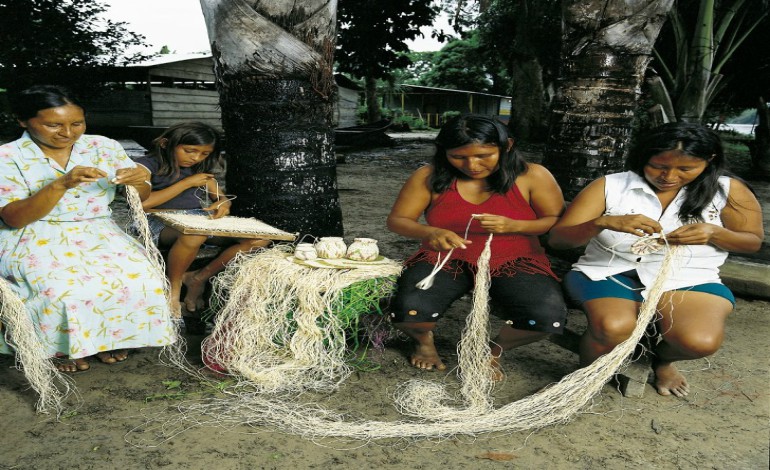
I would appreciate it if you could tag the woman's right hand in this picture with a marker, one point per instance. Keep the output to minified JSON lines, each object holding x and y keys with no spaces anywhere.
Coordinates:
{"x":635,"y":224}
{"x":198,"y":179}
{"x":78,"y":176}
{"x":444,"y":240}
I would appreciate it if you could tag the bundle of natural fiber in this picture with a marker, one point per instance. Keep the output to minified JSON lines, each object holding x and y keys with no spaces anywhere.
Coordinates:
{"x":52,"y":386}
{"x":427,"y":402}
{"x":173,"y":354}
{"x":283,"y":325}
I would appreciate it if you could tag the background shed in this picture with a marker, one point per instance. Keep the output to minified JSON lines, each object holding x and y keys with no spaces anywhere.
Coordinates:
{"x":430,"y":103}
{"x":171,"y":88}
{"x":157,"y":93}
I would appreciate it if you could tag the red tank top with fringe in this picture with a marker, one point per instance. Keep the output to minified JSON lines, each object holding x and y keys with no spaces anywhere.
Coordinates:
{"x":511,"y":253}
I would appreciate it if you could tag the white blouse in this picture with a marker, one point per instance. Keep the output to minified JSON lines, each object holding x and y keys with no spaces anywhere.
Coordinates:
{"x":610,"y":252}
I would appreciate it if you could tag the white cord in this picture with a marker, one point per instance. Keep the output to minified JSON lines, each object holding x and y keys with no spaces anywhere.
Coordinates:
{"x":427,"y":282}
{"x":204,"y":200}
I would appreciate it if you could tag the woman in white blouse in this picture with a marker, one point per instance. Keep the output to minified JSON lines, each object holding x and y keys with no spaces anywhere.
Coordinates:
{"x":677,"y":190}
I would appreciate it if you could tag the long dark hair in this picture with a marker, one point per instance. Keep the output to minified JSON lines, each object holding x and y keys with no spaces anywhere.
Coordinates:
{"x":689,"y":139}
{"x":28,"y":102}
{"x":185,"y":133}
{"x":475,"y":129}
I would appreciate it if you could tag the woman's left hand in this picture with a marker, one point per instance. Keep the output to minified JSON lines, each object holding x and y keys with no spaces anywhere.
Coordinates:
{"x":692,"y":234}
{"x":496,"y":223}
{"x":136,"y":176}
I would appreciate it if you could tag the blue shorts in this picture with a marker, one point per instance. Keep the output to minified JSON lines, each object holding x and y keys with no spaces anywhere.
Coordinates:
{"x":580,"y":288}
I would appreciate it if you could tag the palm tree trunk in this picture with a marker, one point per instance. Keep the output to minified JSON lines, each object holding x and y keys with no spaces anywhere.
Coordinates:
{"x":606,"y":46}
{"x":273,"y":66}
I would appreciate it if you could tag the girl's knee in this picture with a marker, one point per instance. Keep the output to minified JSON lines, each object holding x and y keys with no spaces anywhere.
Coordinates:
{"x":414,"y":312}
{"x":253,"y":243}
{"x":191,"y":240}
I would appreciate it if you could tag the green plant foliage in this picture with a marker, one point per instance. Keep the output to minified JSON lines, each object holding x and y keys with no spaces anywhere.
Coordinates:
{"x":420,"y":64}
{"x":371,"y":34}
{"x":371,"y":37}
{"x":41,"y":37}
{"x":458,"y":66}
{"x":696,"y":56}
{"x":408,"y":121}
{"x":515,"y":31}
{"x":177,"y":390}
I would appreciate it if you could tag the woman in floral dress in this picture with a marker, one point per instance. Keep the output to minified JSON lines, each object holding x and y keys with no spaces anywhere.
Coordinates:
{"x":88,"y":288}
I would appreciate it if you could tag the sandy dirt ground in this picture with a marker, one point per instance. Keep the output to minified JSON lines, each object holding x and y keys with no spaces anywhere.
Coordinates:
{"x":723,"y":424}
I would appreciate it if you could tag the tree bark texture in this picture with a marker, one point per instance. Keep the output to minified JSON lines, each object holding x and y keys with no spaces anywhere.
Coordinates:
{"x":528,"y":102}
{"x":606,"y":47}
{"x":273,"y":66}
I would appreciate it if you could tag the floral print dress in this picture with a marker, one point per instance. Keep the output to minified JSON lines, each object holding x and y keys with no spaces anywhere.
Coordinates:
{"x":87,"y":286}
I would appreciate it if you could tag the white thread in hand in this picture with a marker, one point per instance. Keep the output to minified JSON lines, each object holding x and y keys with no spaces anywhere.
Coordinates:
{"x":427,"y":282}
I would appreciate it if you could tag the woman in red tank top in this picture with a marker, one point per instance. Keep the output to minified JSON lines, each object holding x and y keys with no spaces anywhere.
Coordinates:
{"x":477,"y":177}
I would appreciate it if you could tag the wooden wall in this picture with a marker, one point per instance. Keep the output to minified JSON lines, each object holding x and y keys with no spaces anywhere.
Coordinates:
{"x":431,"y":103}
{"x":196,"y":70}
{"x":173,"y":105}
{"x":346,"y":110}
{"x":119,"y":108}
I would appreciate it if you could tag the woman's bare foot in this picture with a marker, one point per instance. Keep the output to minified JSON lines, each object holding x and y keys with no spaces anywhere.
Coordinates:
{"x":120,"y":355}
{"x":669,"y":381}
{"x":106,"y":358}
{"x":75,"y":365}
{"x":193,"y":299}
{"x":425,"y":356}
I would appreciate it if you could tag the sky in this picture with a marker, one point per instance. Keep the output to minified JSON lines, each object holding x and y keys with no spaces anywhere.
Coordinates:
{"x":179,"y":24}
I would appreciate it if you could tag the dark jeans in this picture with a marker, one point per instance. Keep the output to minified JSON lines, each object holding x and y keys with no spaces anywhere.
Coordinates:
{"x":526,"y":301}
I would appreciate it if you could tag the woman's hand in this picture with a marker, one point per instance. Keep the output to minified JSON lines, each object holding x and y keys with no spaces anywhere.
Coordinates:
{"x":444,"y":240}
{"x":636,"y":224}
{"x":198,"y":179}
{"x":497,"y":223}
{"x":136,"y":176}
{"x":23,"y":212}
{"x":78,"y":176}
{"x":219,"y":209}
{"x":693,"y":234}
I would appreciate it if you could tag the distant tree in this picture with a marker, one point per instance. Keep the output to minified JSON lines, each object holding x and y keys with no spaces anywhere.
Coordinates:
{"x":371,"y":39}
{"x":39,"y":37}
{"x":164,"y":50}
{"x":523,"y":37}
{"x":420,"y":63}
{"x":461,"y":65}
